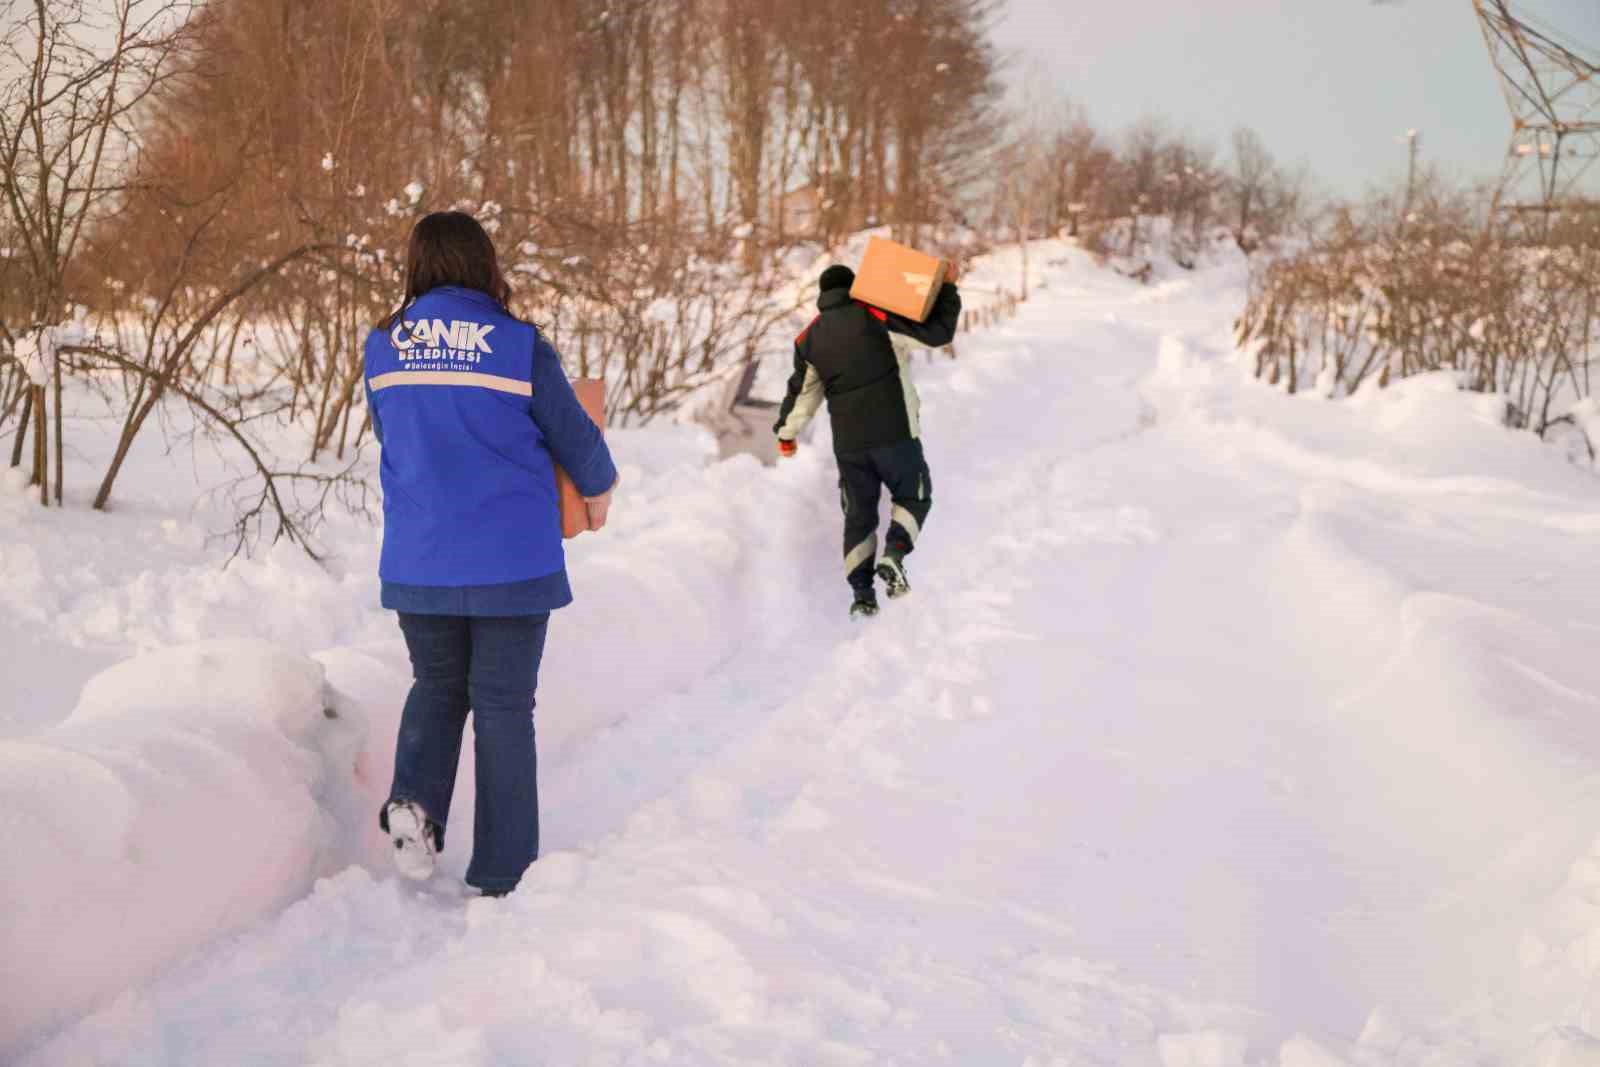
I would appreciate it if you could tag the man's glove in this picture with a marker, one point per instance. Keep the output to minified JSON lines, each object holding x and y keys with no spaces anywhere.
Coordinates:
{"x":787,"y":449}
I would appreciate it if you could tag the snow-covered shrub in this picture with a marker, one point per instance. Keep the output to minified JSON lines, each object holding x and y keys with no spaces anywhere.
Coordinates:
{"x":657,"y":327}
{"x":190,"y":791}
{"x":1445,"y":286}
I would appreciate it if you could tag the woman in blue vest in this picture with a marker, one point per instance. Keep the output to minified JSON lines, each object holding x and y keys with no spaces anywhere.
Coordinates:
{"x":473,"y":411}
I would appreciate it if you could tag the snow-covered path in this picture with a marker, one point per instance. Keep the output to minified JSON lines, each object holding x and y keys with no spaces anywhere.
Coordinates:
{"x":1221,"y":728}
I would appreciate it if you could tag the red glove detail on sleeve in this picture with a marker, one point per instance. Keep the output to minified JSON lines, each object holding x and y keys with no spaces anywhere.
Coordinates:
{"x":787,"y":449}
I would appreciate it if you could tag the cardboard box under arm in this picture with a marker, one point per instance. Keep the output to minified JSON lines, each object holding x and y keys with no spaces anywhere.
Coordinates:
{"x":574,"y":512}
{"x":899,"y":279}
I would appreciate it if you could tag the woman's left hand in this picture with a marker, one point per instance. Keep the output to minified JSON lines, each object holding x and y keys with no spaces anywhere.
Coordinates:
{"x":600,"y":506}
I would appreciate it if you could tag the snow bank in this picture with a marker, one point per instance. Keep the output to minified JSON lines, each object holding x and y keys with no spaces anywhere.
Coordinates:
{"x":1301,"y":1051}
{"x":1450,"y":561}
{"x":81,"y":590}
{"x":178,"y":800}
{"x":1205,"y":1048}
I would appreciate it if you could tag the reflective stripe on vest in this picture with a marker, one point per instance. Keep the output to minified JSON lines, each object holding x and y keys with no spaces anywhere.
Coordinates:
{"x":451,"y":377}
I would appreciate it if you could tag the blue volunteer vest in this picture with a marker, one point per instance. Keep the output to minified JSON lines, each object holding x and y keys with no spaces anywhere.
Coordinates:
{"x":469,"y":488}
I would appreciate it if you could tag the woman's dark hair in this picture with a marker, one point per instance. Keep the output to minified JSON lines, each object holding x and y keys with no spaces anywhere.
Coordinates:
{"x":450,"y":248}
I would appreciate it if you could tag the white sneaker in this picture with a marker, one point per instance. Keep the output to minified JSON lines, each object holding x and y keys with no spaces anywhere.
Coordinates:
{"x":414,"y":853}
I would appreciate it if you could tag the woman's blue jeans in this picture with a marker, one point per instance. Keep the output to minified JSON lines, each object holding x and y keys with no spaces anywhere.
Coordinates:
{"x":490,"y":666}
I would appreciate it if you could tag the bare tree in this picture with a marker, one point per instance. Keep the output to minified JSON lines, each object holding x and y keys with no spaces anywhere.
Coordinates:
{"x":629,"y":158}
{"x":1251,"y":176}
{"x":1192,"y":184}
{"x":84,"y":71}
{"x":1028,"y":163}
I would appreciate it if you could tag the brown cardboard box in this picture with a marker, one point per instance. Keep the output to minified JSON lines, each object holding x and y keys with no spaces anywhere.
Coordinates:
{"x":574,"y":513}
{"x":899,"y":279}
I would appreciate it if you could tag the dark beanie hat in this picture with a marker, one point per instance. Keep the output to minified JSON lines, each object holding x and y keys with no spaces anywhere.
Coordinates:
{"x":837,"y":276}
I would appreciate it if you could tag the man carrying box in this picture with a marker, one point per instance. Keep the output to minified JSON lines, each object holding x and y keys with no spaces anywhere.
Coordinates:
{"x":858,"y":357}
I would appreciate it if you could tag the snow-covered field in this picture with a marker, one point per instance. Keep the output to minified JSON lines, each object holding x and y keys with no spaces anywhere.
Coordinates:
{"x":1222,"y":728}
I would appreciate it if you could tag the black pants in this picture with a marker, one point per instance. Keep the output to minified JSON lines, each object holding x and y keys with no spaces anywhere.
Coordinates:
{"x":901,"y":469}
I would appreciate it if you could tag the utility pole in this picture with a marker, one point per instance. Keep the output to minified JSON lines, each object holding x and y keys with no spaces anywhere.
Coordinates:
{"x":1414,"y":142}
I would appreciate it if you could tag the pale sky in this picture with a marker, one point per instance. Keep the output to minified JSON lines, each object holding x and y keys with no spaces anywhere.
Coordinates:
{"x":1335,"y":83}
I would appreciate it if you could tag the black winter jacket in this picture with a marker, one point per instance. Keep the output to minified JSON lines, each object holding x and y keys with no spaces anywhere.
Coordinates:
{"x":847,"y":356}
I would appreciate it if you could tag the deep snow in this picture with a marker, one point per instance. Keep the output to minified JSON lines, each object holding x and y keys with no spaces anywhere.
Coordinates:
{"x":1221,"y":728}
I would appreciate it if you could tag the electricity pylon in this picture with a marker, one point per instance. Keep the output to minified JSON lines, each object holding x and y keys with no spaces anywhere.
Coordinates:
{"x":1552,"y":87}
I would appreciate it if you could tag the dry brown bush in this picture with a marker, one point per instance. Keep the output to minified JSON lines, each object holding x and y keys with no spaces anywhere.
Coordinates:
{"x":1387,"y":292}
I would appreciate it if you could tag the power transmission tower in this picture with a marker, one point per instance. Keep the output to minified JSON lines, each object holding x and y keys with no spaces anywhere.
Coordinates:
{"x":1552,"y":87}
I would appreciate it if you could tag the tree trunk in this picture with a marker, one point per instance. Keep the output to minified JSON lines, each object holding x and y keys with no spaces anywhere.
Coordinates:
{"x":59,"y":449}
{"x":22,"y":427}
{"x":347,"y":403}
{"x":130,"y":430}
{"x":41,"y":446}
{"x":1024,"y":295}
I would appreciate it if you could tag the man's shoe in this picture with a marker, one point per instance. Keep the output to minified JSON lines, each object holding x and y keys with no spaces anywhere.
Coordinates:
{"x":892,"y":569}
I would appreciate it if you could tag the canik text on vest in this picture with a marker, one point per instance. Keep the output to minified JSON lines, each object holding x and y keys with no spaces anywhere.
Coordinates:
{"x":433,"y":344}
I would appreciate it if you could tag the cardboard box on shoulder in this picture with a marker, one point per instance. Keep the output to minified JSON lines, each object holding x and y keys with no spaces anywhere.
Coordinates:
{"x":899,"y":279}
{"x":574,"y":512}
